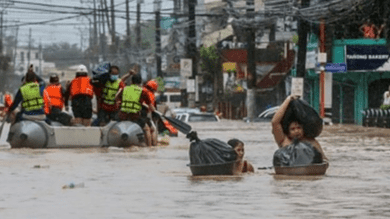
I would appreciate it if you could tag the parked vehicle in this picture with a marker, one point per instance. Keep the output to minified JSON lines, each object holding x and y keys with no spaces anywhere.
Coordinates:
{"x":172,"y":99}
{"x":198,"y":117}
{"x":266,"y":115}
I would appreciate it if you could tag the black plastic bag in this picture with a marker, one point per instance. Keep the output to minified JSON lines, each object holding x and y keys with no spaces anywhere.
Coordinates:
{"x":296,"y":154}
{"x":102,"y":70}
{"x":300,"y":111}
{"x":210,"y":151}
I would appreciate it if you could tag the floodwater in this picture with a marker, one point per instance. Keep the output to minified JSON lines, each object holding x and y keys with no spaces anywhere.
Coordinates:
{"x":156,"y":183}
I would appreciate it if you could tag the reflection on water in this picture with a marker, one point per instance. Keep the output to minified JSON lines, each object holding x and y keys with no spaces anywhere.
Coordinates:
{"x":156,"y":183}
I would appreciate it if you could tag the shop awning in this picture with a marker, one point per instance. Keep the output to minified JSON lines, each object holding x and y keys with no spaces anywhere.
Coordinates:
{"x":277,"y":74}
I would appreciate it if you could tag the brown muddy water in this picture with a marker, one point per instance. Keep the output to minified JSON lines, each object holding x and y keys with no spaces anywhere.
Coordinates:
{"x":156,"y":183}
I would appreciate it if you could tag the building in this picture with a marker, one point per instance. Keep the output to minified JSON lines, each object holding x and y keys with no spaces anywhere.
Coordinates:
{"x":21,"y":61}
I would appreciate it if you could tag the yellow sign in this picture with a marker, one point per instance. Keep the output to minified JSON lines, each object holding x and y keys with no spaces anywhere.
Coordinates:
{"x":229,"y":66}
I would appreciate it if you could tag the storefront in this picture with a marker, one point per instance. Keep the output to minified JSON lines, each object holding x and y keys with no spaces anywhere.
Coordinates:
{"x":362,"y":86}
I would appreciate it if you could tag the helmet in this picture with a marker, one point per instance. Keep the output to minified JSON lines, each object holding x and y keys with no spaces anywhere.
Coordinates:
{"x":152,"y":85}
{"x":82,"y":69}
{"x":54,"y":78}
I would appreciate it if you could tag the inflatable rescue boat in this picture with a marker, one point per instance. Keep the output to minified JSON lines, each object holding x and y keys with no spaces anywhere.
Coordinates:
{"x":38,"y":134}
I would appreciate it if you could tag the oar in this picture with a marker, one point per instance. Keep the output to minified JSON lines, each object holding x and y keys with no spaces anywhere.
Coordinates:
{"x":2,"y":125}
{"x":179,"y":125}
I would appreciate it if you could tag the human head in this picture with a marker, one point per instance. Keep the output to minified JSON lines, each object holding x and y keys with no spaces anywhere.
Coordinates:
{"x":136,"y":79}
{"x":114,"y":72}
{"x":81,"y":70}
{"x":295,"y":130}
{"x":238,"y":147}
{"x":152,"y":86}
{"x":30,"y":77}
{"x":54,"y":79}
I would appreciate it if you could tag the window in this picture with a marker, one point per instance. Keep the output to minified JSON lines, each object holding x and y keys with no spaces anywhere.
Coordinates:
{"x":175,"y":98}
{"x":202,"y":118}
{"x":22,"y":56}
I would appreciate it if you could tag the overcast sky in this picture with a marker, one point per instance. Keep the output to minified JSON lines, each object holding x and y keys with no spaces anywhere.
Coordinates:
{"x":26,"y":12}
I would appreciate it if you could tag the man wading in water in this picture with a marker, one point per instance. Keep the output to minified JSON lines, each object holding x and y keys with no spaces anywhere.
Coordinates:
{"x":295,"y":130}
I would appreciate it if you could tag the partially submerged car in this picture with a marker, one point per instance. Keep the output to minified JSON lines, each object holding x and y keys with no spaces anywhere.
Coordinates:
{"x":198,"y":117}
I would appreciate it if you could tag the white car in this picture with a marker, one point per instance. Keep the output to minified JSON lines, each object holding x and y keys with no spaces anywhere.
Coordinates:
{"x":198,"y":117}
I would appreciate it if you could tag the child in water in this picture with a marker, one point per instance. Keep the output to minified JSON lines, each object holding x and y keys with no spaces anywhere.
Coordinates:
{"x":243,"y":166}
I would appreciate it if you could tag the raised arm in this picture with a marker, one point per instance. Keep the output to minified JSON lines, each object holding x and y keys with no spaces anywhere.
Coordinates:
{"x":277,"y":129}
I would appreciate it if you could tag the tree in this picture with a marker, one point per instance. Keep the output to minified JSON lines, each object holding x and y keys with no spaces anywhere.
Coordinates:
{"x":63,"y":54}
{"x":210,"y":62}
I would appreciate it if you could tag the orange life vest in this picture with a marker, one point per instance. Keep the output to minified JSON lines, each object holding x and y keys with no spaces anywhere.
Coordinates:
{"x":55,"y":94}
{"x":7,"y":100}
{"x":170,"y":128}
{"x":81,"y":85}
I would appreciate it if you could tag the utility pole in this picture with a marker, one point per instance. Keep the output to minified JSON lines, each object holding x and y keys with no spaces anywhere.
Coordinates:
{"x":1,"y":32}
{"x":192,"y":51}
{"x":251,"y":63}
{"x":16,"y":47}
{"x":107,"y":17}
{"x":303,"y":30}
{"x":138,"y":27}
{"x":103,"y":37}
{"x":40,"y":58}
{"x":113,"y":24}
{"x":128,"y":39}
{"x":29,"y":49}
{"x":157,"y":9}
{"x":94,"y":27}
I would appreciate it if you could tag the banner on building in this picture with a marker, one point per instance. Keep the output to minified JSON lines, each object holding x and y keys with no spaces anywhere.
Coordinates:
{"x":367,"y":58}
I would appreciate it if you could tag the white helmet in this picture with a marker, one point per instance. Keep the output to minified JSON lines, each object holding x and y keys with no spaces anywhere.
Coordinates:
{"x":82,"y":69}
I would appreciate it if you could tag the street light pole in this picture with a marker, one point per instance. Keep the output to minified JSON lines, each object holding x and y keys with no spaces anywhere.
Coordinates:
{"x":157,"y":8}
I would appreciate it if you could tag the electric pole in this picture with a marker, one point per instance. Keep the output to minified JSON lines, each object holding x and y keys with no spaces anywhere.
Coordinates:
{"x":192,"y":51}
{"x":94,"y":26}
{"x":128,"y":39}
{"x":251,"y":63}
{"x":103,"y":36}
{"x":29,"y":48}
{"x":157,"y":8}
{"x":138,"y":27}
{"x":303,"y":30}
{"x":113,"y":24}
{"x":40,"y":58}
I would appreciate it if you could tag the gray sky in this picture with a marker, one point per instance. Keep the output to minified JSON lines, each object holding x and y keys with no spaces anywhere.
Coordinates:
{"x":66,"y":30}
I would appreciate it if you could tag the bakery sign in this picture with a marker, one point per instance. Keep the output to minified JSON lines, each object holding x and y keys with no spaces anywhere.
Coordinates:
{"x":367,"y":58}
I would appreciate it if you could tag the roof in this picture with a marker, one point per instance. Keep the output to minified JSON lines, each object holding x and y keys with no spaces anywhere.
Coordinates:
{"x":277,"y":74}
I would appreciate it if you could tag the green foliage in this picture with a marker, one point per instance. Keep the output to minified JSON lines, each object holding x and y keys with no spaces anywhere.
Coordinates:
{"x":161,"y":84}
{"x":209,"y":61}
{"x":63,"y":54}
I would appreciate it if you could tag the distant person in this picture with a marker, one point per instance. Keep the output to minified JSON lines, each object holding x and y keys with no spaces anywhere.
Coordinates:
{"x":57,"y":98}
{"x":243,"y":165}
{"x":148,"y":106}
{"x":386,"y":100}
{"x":80,"y":91}
{"x":35,"y":100}
{"x":108,"y":87}
{"x":130,"y":110}
{"x":295,"y":130}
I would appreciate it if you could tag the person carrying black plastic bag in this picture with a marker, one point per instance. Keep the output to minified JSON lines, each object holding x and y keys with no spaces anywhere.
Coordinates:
{"x":286,"y":131}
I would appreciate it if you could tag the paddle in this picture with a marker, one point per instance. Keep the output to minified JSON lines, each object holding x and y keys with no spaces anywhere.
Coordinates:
{"x":179,"y":125}
{"x":2,"y":126}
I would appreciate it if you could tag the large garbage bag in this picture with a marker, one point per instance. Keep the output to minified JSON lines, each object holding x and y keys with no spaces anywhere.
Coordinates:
{"x":210,"y":151}
{"x":296,"y":154}
{"x":300,"y":111}
{"x":102,"y":70}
